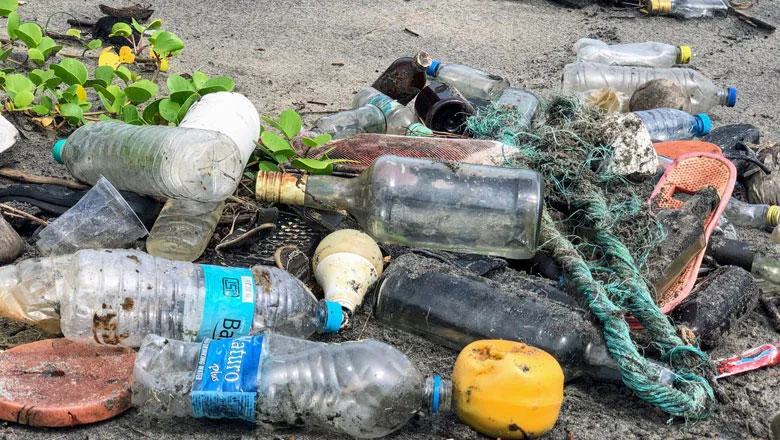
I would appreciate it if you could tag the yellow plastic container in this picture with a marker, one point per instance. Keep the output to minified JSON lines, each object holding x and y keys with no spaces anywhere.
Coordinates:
{"x":507,"y":389}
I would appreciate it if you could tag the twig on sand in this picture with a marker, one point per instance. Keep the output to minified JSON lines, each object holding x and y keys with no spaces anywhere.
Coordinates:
{"x":23,"y":214}
{"x":32,"y":178}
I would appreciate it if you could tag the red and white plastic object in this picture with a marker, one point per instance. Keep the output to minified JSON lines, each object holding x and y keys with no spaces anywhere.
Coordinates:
{"x":766,"y":355}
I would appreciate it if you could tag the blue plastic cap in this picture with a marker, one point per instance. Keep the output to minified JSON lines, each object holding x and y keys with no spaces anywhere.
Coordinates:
{"x":703,"y":124}
{"x":431,"y":70}
{"x":436,"y":393}
{"x":732,"y":97}
{"x":56,"y":151}
{"x":334,"y":317}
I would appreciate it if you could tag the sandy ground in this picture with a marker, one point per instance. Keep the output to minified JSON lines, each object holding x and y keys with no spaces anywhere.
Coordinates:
{"x":282,"y":54}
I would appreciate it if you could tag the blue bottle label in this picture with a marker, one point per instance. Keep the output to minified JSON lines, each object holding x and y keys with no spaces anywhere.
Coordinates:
{"x":230,"y":302}
{"x":225,"y":384}
{"x":384,"y":103}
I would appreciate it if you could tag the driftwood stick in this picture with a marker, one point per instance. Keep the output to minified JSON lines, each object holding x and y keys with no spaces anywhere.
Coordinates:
{"x":32,"y":178}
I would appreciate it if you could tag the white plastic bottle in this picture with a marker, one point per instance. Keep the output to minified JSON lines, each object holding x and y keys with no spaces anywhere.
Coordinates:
{"x":399,"y":118}
{"x":174,"y":162}
{"x":750,"y":215}
{"x":688,"y":9}
{"x":582,"y":77}
{"x":364,"y":389}
{"x":116,"y":297}
{"x":472,"y":83}
{"x":364,"y":119}
{"x":668,"y":124}
{"x":647,"y":54}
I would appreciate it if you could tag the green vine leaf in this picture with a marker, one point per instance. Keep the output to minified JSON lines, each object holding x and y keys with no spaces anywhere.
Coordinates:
{"x":121,"y":30}
{"x":290,"y":122}
{"x":169,"y":110}
{"x":70,"y":71}
{"x":219,"y":84}
{"x":137,"y":26}
{"x":265,"y":165}
{"x":36,"y":56}
{"x":94,"y":44}
{"x":73,"y":112}
{"x":13,"y":24}
{"x":8,"y":6}
{"x":45,"y":106}
{"x":166,"y":43}
{"x":48,"y":46}
{"x":316,"y":166}
{"x":185,"y":106}
{"x":73,"y":32}
{"x":199,"y":79}
{"x":29,"y":33}
{"x":38,"y":76}
{"x":124,"y":74}
{"x":141,"y":91}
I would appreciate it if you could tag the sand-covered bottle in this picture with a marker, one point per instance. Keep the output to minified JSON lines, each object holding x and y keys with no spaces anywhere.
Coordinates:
{"x":348,"y":123}
{"x":646,"y":54}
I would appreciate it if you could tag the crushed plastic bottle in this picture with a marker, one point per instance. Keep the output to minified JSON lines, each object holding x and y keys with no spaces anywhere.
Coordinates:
{"x":174,"y":162}
{"x":399,"y":118}
{"x":754,"y":216}
{"x":647,"y":54}
{"x":523,"y":103}
{"x":427,"y":203}
{"x":668,"y":124}
{"x":472,"y":83}
{"x":688,"y":9}
{"x":404,"y":78}
{"x":364,"y":119}
{"x":117,"y":297}
{"x":365,"y":389}
{"x":582,"y":77}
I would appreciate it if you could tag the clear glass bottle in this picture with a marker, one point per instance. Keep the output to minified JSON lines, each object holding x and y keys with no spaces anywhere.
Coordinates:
{"x":668,"y":124}
{"x":174,"y":162}
{"x":116,"y":297}
{"x":405,"y":77}
{"x":582,"y":77}
{"x":472,"y":83}
{"x":364,"y":119}
{"x":426,"y":203}
{"x":364,"y":389}
{"x":647,"y":54}
{"x":443,"y":108}
{"x":399,"y":118}
{"x":688,"y":9}
{"x":754,"y":216}
{"x":183,"y":229}
{"x":522,"y":102}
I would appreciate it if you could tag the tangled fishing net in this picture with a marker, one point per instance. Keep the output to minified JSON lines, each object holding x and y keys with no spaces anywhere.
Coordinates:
{"x":598,"y":226}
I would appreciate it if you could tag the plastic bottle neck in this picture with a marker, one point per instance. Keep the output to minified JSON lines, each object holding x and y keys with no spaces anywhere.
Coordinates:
{"x":723,"y":97}
{"x":437,"y":395}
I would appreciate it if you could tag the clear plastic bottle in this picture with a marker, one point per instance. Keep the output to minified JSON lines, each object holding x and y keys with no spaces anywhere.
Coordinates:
{"x":647,"y":54}
{"x":668,"y":124}
{"x":582,"y":77}
{"x":688,"y":9}
{"x":183,"y":229}
{"x":472,"y":83}
{"x":426,"y":203}
{"x":521,"y":101}
{"x":364,"y":119}
{"x":175,"y":162}
{"x":399,"y":118}
{"x":117,"y":297}
{"x":405,"y":77}
{"x":365,"y":389}
{"x":754,"y":216}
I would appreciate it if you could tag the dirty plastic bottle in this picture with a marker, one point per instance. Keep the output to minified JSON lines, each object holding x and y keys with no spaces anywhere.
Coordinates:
{"x":405,"y":77}
{"x":364,"y":119}
{"x":750,"y":215}
{"x":443,"y":108}
{"x":668,"y":124}
{"x":365,"y":389}
{"x":174,"y":162}
{"x":522,"y":102}
{"x":117,"y":297}
{"x":472,"y":83}
{"x":688,"y":9}
{"x":426,"y":203}
{"x":582,"y":77}
{"x":399,"y":118}
{"x":647,"y":54}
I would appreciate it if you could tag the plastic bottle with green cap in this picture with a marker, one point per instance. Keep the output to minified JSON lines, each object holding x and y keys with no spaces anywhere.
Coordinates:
{"x":583,"y":77}
{"x":117,"y":297}
{"x":647,"y":54}
{"x":668,"y":124}
{"x":400,"y":119}
{"x":688,"y":9}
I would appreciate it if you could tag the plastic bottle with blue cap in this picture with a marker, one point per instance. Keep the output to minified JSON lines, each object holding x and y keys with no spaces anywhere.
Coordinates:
{"x":668,"y":124}
{"x":116,"y":297}
{"x":472,"y":83}
{"x":364,"y":389}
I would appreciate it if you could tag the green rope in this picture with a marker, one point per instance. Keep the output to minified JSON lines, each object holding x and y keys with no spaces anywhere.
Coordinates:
{"x":612,"y":284}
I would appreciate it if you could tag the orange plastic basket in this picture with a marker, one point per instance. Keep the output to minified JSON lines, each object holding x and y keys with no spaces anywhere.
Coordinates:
{"x":689,"y":173}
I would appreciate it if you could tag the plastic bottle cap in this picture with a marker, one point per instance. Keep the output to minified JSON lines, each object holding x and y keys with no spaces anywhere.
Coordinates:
{"x":56,"y":150}
{"x":732,"y":97}
{"x":684,"y":57}
{"x":431,"y":71}
{"x":334,"y":317}
{"x":773,"y":215}
{"x":703,"y":124}
{"x":436,"y":392}
{"x":660,"y":6}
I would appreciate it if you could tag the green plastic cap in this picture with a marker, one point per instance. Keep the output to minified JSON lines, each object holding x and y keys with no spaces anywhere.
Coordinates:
{"x":56,"y":151}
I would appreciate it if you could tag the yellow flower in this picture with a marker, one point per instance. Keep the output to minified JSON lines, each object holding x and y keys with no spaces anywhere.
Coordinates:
{"x":108,"y":58}
{"x":81,"y":93}
{"x":126,"y":55}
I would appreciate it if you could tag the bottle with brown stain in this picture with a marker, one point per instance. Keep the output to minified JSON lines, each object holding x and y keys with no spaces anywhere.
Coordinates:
{"x":404,"y":78}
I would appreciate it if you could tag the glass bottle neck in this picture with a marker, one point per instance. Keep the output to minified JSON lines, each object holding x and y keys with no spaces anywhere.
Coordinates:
{"x":331,"y":193}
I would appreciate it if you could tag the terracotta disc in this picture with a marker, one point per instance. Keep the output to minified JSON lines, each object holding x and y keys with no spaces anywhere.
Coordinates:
{"x":56,"y":382}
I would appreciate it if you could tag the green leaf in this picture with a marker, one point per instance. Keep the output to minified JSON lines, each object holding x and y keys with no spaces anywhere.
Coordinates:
{"x":112,"y":97}
{"x":141,"y":91}
{"x":220,"y":84}
{"x":316,"y":166}
{"x":290,"y":122}
{"x":169,"y":110}
{"x":185,"y":106}
{"x":23,"y":99}
{"x":73,"y":112}
{"x":130,"y":115}
{"x":104,"y":74}
{"x":251,"y":174}
{"x":124,"y":73}
{"x":137,"y":26}
{"x":265,"y":165}
{"x":177,"y":83}
{"x":323,"y":139}
{"x":52,"y":83}
{"x":277,"y":145}
{"x":273,"y":123}
{"x":309,"y":142}
{"x":156,"y":24}
{"x":70,"y":71}
{"x":181,"y":97}
{"x":6,"y":53}
{"x":166,"y":43}
{"x":85,"y":106}
{"x":48,"y":46}
{"x":104,"y":118}
{"x":120,"y":30}
{"x":151,"y":113}
{"x":8,"y":6}
{"x":38,"y":76}
{"x":13,"y":24}
{"x":45,"y":106}
{"x":18,"y":83}
{"x":69,"y":94}
{"x":73,"y":32}
{"x":94,"y":44}
{"x":198,"y":79}
{"x":30,"y":33}
{"x":36,"y":56}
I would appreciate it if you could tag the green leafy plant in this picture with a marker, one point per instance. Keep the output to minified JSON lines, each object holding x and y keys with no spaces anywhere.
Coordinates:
{"x":162,"y":44}
{"x":87,"y":44}
{"x":39,"y":47}
{"x":277,"y":150}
